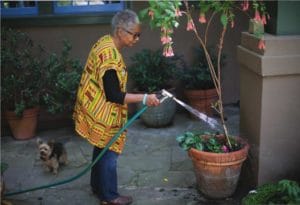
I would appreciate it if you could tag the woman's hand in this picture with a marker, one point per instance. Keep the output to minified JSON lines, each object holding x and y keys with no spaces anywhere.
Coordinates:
{"x":152,"y":100}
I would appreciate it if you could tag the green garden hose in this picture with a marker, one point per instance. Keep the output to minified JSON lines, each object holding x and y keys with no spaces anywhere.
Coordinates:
{"x":130,"y":121}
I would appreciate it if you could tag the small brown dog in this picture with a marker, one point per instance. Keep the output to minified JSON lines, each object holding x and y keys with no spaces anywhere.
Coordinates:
{"x":52,"y":154}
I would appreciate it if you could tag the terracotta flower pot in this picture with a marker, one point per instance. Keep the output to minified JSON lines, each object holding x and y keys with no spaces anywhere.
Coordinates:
{"x":202,"y":99}
{"x":23,"y":127}
{"x":217,"y":174}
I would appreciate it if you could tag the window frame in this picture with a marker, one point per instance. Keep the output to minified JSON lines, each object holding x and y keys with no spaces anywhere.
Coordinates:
{"x":20,"y":11}
{"x":88,"y":8}
{"x":47,"y":17}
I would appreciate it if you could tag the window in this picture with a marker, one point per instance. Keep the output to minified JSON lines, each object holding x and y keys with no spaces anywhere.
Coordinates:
{"x":36,"y":8}
{"x":19,"y":8}
{"x":84,"y":6}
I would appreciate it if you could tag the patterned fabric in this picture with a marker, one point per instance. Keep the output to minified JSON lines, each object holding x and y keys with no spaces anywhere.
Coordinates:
{"x":96,"y":119}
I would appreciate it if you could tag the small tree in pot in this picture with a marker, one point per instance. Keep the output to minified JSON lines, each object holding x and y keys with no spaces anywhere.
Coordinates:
{"x":63,"y":75}
{"x":211,"y":168}
{"x":21,"y":82}
{"x":32,"y":78}
{"x":21,"y":72}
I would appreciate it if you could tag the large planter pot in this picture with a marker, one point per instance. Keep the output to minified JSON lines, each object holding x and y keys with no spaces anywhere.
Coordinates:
{"x":159,"y":116}
{"x":23,"y":127}
{"x":202,"y":99}
{"x":217,"y":174}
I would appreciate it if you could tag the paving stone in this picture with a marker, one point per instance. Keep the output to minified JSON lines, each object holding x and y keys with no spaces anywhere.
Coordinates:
{"x":166,"y":178}
{"x":180,"y":160}
{"x":152,"y":168}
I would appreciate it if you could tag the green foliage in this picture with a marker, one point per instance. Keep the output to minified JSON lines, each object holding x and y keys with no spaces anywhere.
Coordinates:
{"x":165,"y":16}
{"x":163,"y":12}
{"x":21,"y":73}
{"x":224,"y":8}
{"x":290,"y":192}
{"x":261,"y":195}
{"x":196,"y":78}
{"x":151,"y":71}
{"x":283,"y":192}
{"x":63,"y":75}
{"x":198,"y":75}
{"x":31,"y":77}
{"x":207,"y":142}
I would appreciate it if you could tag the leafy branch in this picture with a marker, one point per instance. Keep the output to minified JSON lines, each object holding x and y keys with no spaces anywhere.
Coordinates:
{"x":165,"y":15}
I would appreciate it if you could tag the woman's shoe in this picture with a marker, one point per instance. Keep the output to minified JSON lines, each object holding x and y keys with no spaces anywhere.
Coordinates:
{"x":121,"y":200}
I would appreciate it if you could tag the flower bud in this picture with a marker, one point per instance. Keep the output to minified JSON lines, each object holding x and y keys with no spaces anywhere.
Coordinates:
{"x":202,"y":18}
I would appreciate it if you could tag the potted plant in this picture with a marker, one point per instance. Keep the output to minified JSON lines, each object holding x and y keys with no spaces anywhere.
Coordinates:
{"x":217,"y":166}
{"x":32,"y":79}
{"x":21,"y":82}
{"x":63,"y":75}
{"x":152,"y":72}
{"x":198,"y":85}
{"x":165,"y":15}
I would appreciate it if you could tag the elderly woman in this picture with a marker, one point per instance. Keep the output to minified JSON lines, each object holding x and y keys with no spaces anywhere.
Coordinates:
{"x":101,"y":106}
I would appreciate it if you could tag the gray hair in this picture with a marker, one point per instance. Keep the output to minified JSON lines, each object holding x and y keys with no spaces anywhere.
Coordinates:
{"x":124,"y":19}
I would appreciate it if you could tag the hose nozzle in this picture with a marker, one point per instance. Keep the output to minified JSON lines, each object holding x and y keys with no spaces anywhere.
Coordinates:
{"x":166,"y":93}
{"x":163,"y":95}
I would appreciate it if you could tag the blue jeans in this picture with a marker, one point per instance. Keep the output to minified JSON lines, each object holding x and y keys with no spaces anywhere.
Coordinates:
{"x":104,"y":175}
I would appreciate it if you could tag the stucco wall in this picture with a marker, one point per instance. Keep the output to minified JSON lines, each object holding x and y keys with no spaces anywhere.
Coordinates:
{"x":82,"y":38}
{"x":269,"y":114}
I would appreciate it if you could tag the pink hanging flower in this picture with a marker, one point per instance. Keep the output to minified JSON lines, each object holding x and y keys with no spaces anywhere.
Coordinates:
{"x":151,"y":14}
{"x":164,"y":30}
{"x":170,"y":31}
{"x":190,"y":25}
{"x":263,"y":19}
{"x":202,"y":18}
{"x":168,"y":51}
{"x":245,"y":5}
{"x":165,"y":39}
{"x":178,"y":12}
{"x":225,"y":149}
{"x":261,"y":44}
{"x":232,"y":24}
{"x":257,"y":16}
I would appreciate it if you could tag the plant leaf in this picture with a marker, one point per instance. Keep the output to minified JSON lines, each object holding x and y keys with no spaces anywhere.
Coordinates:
{"x":199,"y":146}
{"x":189,"y":140}
{"x":180,"y":138}
{"x":224,"y":20}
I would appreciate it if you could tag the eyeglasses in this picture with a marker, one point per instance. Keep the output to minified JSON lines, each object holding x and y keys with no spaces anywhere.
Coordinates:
{"x":134,"y":35}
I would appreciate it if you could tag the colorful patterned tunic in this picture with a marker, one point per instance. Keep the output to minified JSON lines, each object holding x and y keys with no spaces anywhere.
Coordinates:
{"x":97,"y":119}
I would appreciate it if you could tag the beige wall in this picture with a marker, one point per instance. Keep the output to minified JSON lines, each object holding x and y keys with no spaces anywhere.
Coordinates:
{"x":83,"y":36}
{"x":270,"y":102}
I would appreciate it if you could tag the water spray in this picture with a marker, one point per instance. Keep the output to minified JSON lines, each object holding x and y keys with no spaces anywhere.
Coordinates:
{"x":163,"y":95}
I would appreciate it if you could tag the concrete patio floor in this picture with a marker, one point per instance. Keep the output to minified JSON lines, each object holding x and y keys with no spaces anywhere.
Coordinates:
{"x":153,"y":168}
